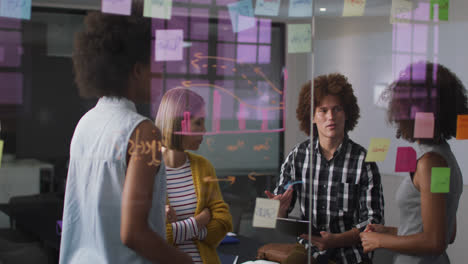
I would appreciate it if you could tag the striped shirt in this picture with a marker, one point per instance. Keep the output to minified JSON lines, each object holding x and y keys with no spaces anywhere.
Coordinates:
{"x":183,"y":199}
{"x":346,"y":193}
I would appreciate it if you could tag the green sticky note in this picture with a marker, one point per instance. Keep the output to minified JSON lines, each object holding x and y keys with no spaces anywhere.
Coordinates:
{"x":299,"y":38}
{"x":443,"y":9}
{"x":1,"y":152}
{"x":440,"y":180}
{"x":158,"y":9}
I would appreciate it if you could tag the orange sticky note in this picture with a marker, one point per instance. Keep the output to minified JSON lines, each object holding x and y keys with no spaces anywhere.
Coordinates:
{"x":462,"y":127}
{"x":424,"y":125}
{"x":378,"y":149}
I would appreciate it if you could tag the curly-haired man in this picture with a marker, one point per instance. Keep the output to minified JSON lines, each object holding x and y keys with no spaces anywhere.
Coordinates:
{"x":346,"y":192}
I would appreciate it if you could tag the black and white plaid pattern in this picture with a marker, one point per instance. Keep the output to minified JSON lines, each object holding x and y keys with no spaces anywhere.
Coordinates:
{"x":347,"y":192}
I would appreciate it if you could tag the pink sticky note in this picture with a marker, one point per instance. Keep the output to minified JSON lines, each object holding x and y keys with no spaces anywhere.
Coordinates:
{"x":424,"y":125}
{"x":405,"y":160}
{"x":264,"y":120}
{"x":169,"y":45}
{"x":120,"y":7}
{"x":216,"y":111}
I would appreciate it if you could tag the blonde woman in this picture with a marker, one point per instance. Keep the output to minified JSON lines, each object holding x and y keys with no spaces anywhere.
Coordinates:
{"x":197,"y":216}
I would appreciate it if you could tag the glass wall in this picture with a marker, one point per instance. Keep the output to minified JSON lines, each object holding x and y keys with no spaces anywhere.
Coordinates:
{"x":384,"y":49}
{"x":250,"y":61}
{"x":247,"y":60}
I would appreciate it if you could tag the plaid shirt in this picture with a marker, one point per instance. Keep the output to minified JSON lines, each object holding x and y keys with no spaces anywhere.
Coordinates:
{"x":346,"y":193}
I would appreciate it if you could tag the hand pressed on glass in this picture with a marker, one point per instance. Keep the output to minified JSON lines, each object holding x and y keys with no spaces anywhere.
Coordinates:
{"x":285,"y":200}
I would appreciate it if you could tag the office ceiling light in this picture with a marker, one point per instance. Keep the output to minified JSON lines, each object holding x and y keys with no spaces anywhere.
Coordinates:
{"x":323,"y":9}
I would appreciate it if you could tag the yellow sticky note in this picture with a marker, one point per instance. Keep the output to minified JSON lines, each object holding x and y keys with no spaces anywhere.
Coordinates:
{"x":158,"y":9}
{"x":266,"y":211}
{"x":462,"y":127}
{"x":401,"y":11}
{"x":299,"y":38}
{"x":378,"y":149}
{"x":1,"y":152}
{"x":354,"y":7}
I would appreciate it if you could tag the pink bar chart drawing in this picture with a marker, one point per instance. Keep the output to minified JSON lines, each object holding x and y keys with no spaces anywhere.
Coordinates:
{"x":187,"y":122}
{"x":259,"y":100}
{"x":264,"y":120}
{"x":241,"y":116}
{"x":216,"y":111}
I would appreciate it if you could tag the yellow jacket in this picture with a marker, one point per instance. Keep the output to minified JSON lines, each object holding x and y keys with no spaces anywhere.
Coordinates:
{"x":209,"y":196}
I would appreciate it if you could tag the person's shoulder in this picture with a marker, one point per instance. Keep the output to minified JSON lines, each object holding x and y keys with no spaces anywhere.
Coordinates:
{"x":145,"y":134}
{"x":146,"y":128}
{"x":431,"y":159}
{"x":356,"y":148}
{"x":301,"y":145}
{"x":198,"y":159}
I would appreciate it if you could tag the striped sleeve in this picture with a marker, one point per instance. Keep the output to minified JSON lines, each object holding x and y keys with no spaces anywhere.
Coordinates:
{"x":185,"y":230}
{"x":202,"y":233}
{"x":370,"y":198}
{"x":287,"y":173}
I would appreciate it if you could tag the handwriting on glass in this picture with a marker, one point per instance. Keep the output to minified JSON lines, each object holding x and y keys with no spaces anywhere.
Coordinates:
{"x":299,"y":38}
{"x":265,"y":212}
{"x":170,"y":43}
{"x":232,"y":148}
{"x":139,"y":147}
{"x":302,"y":2}
{"x":14,"y":7}
{"x":15,"y":4}
{"x":356,"y":2}
{"x":443,"y":4}
{"x":243,"y":9}
{"x":265,"y":146}
{"x":380,"y":149}
{"x":210,"y":143}
{"x":267,"y":5}
{"x":231,"y":179}
{"x":158,"y":2}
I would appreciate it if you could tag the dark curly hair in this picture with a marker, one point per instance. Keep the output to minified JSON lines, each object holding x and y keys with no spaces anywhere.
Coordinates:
{"x":332,"y":84}
{"x":107,"y":50}
{"x":426,"y":87}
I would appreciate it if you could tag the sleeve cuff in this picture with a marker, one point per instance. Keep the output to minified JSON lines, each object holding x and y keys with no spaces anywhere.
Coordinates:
{"x":362,"y":225}
{"x":185,"y":230}
{"x":202,"y":233}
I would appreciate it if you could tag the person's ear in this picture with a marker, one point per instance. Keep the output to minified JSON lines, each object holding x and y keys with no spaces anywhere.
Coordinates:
{"x":138,"y":71}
